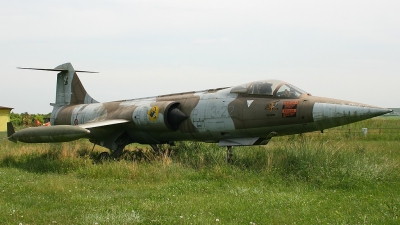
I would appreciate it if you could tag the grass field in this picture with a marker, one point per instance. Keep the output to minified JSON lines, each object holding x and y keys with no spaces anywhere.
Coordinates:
{"x":338,"y":177}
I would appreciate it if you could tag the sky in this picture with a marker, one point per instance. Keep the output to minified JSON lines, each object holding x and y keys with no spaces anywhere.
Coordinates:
{"x":340,"y":49}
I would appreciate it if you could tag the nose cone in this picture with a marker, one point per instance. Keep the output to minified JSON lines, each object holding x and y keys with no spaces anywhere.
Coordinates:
{"x":329,"y":113}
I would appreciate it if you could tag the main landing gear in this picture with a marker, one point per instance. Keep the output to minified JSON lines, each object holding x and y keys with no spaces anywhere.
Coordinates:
{"x":119,"y":152}
{"x":116,"y":154}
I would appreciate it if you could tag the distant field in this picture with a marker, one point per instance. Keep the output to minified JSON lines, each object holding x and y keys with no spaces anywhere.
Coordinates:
{"x":339,"y":177}
{"x":389,"y":117}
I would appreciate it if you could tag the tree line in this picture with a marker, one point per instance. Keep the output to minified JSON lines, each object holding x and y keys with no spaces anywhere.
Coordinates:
{"x":27,"y":120}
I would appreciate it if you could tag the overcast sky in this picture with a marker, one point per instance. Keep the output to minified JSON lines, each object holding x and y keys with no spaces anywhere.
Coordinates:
{"x":340,"y":49}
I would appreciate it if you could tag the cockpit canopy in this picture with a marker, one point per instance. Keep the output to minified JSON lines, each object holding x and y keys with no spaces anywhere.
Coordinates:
{"x":275,"y":88}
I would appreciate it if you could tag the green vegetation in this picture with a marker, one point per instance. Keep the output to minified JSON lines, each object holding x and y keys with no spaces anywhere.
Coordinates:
{"x":26,"y":119}
{"x":338,"y":177}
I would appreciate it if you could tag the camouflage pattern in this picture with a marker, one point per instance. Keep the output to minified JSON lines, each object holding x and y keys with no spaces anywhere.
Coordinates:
{"x":248,"y":114}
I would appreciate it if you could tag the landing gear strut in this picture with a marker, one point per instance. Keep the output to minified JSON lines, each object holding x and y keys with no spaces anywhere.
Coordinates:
{"x":229,"y":154}
{"x":118,"y":152}
{"x":102,"y":156}
{"x":155,"y":148}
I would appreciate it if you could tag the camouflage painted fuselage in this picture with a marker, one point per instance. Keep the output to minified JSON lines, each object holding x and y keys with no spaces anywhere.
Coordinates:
{"x":248,"y":114}
{"x":217,"y":115}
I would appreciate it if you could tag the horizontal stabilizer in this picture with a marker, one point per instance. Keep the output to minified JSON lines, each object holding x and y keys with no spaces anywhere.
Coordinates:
{"x":69,"y":89}
{"x":59,"y":70}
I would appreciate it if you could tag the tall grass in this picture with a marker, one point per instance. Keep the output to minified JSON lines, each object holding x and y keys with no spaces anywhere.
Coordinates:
{"x":334,"y":177}
{"x":333,"y":159}
{"x":326,"y":163}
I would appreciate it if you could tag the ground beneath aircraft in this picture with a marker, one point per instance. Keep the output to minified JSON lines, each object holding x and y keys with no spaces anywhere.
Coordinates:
{"x":340,"y":176}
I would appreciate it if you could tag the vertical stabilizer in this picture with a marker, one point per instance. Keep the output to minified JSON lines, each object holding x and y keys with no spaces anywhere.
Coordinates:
{"x":10,"y":132}
{"x":70,"y":90}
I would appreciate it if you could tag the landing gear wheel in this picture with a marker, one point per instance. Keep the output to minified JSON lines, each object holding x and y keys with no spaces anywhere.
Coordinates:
{"x":104,"y":156}
{"x":116,"y":155}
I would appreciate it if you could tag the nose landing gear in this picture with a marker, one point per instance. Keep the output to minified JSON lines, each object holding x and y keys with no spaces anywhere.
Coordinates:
{"x":229,"y":154}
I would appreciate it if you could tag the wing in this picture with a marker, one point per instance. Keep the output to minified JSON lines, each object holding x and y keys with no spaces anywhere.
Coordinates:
{"x":103,"y":123}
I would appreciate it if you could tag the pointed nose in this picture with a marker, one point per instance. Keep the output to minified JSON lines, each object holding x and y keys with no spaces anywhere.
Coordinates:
{"x":331,"y":113}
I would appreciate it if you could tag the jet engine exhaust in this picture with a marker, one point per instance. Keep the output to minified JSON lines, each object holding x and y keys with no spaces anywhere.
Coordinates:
{"x":175,"y":117}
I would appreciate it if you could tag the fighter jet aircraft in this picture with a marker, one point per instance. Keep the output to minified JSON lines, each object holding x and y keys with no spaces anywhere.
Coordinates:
{"x":243,"y":115}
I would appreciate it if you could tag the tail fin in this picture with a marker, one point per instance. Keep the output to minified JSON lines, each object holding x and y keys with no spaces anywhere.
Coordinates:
{"x":70,"y":90}
{"x":10,"y":132}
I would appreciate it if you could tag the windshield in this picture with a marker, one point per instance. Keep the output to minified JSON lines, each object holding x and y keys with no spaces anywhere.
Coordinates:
{"x":275,"y":88}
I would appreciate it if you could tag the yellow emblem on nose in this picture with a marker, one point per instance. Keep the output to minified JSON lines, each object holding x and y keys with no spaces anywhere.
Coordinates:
{"x":153,"y":113}
{"x":272,"y":106}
